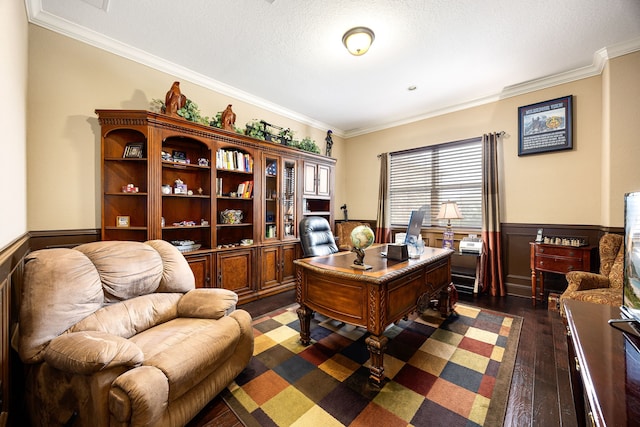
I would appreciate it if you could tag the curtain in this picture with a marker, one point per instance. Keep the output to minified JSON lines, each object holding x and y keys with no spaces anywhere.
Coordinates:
{"x":493,"y":280}
{"x":383,"y":227}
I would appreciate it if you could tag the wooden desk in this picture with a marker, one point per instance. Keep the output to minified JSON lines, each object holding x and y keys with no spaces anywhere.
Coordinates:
{"x":556,"y":259}
{"x":605,"y":367}
{"x":372,"y":299}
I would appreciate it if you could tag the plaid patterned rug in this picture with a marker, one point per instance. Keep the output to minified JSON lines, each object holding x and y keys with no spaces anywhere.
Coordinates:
{"x":453,"y":372}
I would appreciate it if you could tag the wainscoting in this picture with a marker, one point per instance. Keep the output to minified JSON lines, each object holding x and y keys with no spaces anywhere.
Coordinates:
{"x":515,"y":243}
{"x":516,"y":253}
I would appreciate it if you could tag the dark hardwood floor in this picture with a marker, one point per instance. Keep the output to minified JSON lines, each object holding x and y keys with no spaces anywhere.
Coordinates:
{"x":540,"y":392}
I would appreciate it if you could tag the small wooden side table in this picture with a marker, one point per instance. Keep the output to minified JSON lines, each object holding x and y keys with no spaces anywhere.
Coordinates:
{"x":556,"y":259}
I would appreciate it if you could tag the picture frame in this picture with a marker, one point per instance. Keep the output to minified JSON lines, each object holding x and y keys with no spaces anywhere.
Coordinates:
{"x":123,"y":221}
{"x":546,"y":126}
{"x":179,"y":156}
{"x":134,"y":150}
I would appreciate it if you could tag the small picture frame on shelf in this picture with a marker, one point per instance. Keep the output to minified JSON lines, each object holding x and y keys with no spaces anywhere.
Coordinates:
{"x":122,"y":221}
{"x":134,"y":150}
{"x":179,"y":156}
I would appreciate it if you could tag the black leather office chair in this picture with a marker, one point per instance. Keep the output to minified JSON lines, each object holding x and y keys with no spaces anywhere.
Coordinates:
{"x":316,"y":237}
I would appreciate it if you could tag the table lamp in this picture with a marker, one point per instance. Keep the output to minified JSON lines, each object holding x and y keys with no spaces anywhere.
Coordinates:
{"x":449,"y":210}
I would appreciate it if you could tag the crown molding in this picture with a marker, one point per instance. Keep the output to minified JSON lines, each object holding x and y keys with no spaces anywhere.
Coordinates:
{"x":51,"y":22}
{"x":600,"y":59}
{"x":46,"y":20}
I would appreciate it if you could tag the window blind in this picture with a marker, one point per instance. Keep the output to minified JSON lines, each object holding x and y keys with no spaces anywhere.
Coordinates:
{"x":426,"y":177}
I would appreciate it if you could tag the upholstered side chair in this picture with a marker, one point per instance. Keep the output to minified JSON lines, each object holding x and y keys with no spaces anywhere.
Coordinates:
{"x":343,"y":234}
{"x":604,"y":287}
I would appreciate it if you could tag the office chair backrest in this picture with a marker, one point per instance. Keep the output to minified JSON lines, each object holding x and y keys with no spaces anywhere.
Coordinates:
{"x":316,"y":237}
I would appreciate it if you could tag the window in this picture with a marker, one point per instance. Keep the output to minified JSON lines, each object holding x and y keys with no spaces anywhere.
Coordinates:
{"x":428,"y":176}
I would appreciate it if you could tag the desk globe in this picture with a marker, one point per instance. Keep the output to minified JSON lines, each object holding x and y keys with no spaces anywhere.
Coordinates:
{"x":361,"y":238}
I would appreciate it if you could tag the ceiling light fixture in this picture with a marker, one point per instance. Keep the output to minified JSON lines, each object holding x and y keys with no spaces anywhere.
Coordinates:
{"x":358,"y":40}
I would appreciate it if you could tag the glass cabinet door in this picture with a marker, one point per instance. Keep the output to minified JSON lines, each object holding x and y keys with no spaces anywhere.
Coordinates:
{"x":280,"y":199}
{"x":289,"y":223}
{"x":271,"y":205}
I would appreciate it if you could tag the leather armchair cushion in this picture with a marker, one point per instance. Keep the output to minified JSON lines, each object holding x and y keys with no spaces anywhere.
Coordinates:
{"x":127,"y":318}
{"x":91,"y":351}
{"x":207,"y":303}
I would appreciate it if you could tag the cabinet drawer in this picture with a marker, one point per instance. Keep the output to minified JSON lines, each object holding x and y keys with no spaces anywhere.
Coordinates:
{"x":559,"y":251}
{"x":558,"y":265}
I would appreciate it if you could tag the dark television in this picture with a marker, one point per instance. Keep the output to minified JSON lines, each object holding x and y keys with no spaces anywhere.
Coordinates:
{"x":630,"y":309}
{"x":413,"y":229}
{"x":631,"y":286}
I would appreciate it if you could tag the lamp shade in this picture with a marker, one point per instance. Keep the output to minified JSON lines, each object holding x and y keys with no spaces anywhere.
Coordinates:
{"x":449,"y":210}
{"x":358,"y":40}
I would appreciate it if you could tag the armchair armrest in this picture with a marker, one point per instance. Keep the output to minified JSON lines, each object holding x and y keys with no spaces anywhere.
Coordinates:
{"x":210,"y":303}
{"x":582,"y":281}
{"x":87,"y":352}
{"x":139,"y":396}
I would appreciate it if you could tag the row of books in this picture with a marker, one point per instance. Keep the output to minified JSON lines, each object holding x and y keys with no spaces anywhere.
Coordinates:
{"x":234,"y":160}
{"x":245,"y":189}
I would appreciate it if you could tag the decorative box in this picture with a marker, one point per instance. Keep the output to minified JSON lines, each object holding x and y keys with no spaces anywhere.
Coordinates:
{"x":231,"y":216}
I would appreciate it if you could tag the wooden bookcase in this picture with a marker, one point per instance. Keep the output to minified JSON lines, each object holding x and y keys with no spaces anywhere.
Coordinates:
{"x":271,"y":185}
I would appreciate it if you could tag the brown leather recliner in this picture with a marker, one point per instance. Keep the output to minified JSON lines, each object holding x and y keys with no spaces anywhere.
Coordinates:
{"x":115,"y":334}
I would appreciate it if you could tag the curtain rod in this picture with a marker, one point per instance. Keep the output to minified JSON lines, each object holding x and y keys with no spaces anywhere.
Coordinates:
{"x":499,"y":134}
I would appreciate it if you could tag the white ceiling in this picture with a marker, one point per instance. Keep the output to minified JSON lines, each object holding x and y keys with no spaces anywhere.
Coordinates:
{"x":287,"y":55}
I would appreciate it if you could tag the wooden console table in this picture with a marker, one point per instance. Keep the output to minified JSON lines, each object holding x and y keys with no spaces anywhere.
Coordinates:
{"x":372,"y":299}
{"x":604,"y":365}
{"x":556,"y":259}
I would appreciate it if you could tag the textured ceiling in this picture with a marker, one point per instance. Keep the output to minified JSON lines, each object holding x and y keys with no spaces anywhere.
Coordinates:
{"x":287,"y":55}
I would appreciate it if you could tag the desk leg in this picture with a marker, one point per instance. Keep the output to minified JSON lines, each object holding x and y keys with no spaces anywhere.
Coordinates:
{"x":534,"y":281}
{"x":377,"y":345}
{"x":304,"y":314}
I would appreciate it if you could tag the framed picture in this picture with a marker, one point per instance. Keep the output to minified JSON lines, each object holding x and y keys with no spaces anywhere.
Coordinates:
{"x":545,"y":126}
{"x":122,"y":221}
{"x":134,"y":150}
{"x":179,"y":156}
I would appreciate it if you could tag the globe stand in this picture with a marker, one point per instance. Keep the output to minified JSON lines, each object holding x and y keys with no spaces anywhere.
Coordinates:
{"x":358,"y":263}
{"x":361,"y":237}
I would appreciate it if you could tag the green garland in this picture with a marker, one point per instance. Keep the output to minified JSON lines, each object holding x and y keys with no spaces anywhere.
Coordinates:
{"x":254,"y":129}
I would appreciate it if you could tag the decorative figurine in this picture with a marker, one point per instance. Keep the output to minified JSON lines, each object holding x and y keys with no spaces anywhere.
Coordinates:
{"x":174,"y":100}
{"x":228,"y":119}
{"x":346,"y":213}
{"x":286,"y":137}
{"x":329,"y":142}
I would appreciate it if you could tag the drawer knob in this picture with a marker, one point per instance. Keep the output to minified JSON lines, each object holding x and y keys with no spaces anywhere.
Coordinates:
{"x":570,"y":268}
{"x":541,"y":250}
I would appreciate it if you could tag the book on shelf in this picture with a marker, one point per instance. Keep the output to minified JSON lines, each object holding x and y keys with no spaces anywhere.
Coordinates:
{"x":234,"y":160}
{"x":218,"y":186}
{"x":248,"y":190}
{"x":245,"y":189}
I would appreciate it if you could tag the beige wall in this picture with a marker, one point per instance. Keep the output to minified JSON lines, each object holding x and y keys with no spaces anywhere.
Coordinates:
{"x":68,"y":80}
{"x":623,"y":135}
{"x":566,"y":187}
{"x":13,"y":73}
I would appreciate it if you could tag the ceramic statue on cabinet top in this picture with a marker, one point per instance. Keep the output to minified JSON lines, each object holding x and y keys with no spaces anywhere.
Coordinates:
{"x":228,"y":118}
{"x":174,"y":100}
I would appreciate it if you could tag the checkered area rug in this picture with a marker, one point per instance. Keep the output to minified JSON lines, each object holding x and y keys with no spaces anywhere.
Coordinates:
{"x":453,"y":372}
